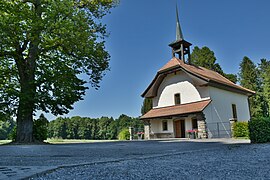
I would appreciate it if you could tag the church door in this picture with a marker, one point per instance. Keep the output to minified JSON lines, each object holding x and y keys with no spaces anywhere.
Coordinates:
{"x":179,"y":129}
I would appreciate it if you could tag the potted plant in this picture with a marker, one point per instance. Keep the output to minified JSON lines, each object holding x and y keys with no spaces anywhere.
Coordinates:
{"x":192,"y":133}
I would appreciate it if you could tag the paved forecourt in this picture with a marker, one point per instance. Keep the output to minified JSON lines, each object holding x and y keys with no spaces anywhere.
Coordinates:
{"x":18,"y":162}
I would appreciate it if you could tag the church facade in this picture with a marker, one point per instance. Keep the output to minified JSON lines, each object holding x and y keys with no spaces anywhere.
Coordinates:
{"x":191,"y":99}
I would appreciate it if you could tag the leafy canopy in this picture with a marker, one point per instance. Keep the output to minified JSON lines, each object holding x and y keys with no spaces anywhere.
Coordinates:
{"x":63,"y":40}
{"x":206,"y":58}
{"x":264,"y":72}
{"x":249,"y":78}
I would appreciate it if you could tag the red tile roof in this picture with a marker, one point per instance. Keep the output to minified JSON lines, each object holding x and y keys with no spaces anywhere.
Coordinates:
{"x":181,"y":109}
{"x":201,"y":72}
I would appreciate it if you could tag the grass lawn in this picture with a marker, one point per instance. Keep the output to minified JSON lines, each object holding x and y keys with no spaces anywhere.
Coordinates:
{"x":67,"y":141}
{"x":241,"y":137}
{"x":4,"y":141}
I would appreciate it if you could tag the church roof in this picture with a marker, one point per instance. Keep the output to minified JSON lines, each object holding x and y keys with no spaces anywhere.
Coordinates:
{"x":211,"y":77}
{"x":182,"y":109}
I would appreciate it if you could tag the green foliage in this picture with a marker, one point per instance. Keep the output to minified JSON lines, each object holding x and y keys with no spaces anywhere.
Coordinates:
{"x":91,"y":128}
{"x":41,"y":128}
{"x":147,"y":105}
{"x":12,"y":134}
{"x":204,"y":57}
{"x":259,"y":129}
{"x":264,"y":73}
{"x":63,"y":37}
{"x":249,"y":78}
{"x":240,"y":129}
{"x":231,"y":77}
{"x":124,"y":134}
{"x":46,"y":47}
{"x":6,"y":128}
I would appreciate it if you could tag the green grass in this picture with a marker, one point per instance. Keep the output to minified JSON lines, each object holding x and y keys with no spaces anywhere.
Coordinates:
{"x":241,"y":137}
{"x":67,"y":141}
{"x":4,"y":141}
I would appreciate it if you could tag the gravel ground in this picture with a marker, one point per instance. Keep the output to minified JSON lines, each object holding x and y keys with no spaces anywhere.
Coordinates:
{"x":228,"y":162}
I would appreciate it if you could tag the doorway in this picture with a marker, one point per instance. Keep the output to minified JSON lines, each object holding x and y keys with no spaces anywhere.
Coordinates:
{"x":180,"y":129}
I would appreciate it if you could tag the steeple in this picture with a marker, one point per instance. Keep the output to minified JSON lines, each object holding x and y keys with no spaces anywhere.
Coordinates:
{"x":180,"y":46}
{"x":179,"y":34}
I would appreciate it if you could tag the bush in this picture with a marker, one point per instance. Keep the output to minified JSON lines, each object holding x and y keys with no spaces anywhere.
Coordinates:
{"x":124,"y":134}
{"x":40,"y":128}
{"x":12,"y":134}
{"x":259,"y":130}
{"x":240,"y":129}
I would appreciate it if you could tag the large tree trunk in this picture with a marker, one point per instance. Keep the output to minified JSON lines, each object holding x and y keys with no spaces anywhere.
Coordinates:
{"x":24,"y":126}
{"x":25,"y":112}
{"x":26,"y":68}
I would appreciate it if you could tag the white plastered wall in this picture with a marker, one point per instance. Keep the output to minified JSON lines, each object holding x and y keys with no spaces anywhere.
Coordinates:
{"x":221,"y":105}
{"x":175,"y":83}
{"x":219,"y":112}
{"x":156,"y":125}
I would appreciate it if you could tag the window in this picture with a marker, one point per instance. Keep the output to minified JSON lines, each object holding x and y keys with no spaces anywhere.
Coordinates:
{"x":194,"y":124}
{"x":234,"y":111}
{"x":165,"y":125}
{"x":177,"y":99}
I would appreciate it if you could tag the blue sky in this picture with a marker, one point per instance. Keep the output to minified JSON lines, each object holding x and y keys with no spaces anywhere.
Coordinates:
{"x":140,"y":31}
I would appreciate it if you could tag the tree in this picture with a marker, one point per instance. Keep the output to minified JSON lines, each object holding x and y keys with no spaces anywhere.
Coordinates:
{"x":249,"y":78}
{"x":231,"y":77}
{"x":40,"y":129}
{"x":206,"y":58}
{"x":44,"y":46}
{"x":264,"y":72}
{"x":6,"y":128}
{"x":147,"y":105}
{"x":104,"y":123}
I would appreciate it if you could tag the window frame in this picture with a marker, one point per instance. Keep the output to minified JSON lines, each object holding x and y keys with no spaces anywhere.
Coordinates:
{"x":194,"y":123}
{"x":234,"y":111}
{"x":165,"y":127}
{"x":177,"y":98}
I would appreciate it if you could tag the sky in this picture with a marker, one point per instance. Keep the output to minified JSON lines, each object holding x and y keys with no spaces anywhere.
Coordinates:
{"x":140,"y":31}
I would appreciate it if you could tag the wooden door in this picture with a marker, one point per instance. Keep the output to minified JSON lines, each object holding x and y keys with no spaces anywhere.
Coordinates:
{"x":179,"y":129}
{"x":183,"y":128}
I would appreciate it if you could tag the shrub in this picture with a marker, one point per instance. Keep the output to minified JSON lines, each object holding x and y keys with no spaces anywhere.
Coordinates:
{"x":124,"y":134}
{"x":240,"y":129}
{"x":40,"y":128}
{"x":259,"y":130}
{"x":12,"y":134}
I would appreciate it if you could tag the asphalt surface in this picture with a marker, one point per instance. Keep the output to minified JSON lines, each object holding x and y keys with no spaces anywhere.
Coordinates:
{"x":166,"y":159}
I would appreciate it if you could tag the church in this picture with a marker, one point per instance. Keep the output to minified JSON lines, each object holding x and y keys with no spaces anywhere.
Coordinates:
{"x":192,"y":99}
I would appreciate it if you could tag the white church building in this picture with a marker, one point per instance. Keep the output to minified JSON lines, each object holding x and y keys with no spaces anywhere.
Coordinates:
{"x":187,"y":98}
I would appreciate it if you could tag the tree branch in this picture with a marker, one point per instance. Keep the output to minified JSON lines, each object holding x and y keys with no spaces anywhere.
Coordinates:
{"x":24,"y":46}
{"x":7,"y":53}
{"x":29,"y":1}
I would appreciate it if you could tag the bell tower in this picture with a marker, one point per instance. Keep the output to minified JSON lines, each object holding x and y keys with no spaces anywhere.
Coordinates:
{"x":180,"y":46}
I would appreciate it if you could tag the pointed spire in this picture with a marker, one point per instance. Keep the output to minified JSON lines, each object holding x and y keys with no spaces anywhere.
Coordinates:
{"x":179,"y":34}
{"x":180,"y":46}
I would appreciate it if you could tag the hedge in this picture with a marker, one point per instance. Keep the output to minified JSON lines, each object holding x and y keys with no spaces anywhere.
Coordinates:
{"x":240,"y":129}
{"x":259,"y":130}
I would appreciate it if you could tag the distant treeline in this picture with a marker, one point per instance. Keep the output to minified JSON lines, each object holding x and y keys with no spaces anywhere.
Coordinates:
{"x":6,"y":128}
{"x":91,"y":128}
